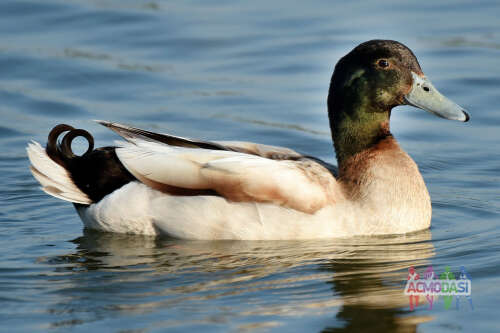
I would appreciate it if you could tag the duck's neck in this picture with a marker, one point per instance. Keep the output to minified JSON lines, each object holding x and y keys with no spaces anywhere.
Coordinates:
{"x":356,"y":124}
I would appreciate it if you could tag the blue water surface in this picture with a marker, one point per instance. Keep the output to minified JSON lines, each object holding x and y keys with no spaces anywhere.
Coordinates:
{"x":255,"y":71}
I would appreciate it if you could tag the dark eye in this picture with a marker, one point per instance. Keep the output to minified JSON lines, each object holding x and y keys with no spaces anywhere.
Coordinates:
{"x":383,"y":63}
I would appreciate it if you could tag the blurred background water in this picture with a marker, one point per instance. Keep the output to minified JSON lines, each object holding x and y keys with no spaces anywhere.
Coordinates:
{"x":235,"y":70}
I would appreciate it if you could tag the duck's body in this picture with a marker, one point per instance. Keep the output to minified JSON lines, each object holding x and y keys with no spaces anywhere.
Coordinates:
{"x":356,"y":209}
{"x":158,"y":184}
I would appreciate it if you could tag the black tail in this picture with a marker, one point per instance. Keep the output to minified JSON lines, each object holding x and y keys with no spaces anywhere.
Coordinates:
{"x":97,"y":172}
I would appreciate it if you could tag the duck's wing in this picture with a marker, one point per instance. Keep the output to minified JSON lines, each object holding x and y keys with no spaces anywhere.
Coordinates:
{"x":130,"y":134}
{"x":298,"y":183}
{"x":266,"y":151}
{"x":273,"y":152}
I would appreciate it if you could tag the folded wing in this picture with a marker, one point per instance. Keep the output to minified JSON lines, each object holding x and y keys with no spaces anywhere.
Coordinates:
{"x":297,"y":183}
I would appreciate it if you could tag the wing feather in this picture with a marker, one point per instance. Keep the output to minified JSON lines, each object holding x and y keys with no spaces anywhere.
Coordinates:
{"x":303,"y":185}
{"x":131,"y":133}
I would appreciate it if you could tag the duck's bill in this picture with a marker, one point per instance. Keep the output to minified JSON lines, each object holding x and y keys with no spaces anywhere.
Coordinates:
{"x":424,"y":96}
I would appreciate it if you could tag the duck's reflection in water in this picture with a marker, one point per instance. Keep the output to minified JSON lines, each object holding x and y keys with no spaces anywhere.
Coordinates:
{"x":371,"y":283}
{"x":270,"y":281}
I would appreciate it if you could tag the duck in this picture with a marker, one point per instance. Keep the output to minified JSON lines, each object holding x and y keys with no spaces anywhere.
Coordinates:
{"x":164,"y":185}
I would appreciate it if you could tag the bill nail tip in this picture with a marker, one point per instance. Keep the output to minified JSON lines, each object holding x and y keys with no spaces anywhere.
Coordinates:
{"x":467,"y":117}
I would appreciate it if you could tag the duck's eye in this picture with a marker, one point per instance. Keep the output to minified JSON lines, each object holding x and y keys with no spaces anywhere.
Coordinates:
{"x":383,"y":63}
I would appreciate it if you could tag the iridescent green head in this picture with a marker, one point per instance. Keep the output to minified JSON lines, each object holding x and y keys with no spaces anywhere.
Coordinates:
{"x":367,"y":83}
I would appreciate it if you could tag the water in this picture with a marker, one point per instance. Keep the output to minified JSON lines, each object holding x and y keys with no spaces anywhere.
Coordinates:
{"x":234,"y":70}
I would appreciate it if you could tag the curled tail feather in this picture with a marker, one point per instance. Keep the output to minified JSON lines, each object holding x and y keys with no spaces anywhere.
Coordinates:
{"x":61,"y":153}
{"x":50,"y":166}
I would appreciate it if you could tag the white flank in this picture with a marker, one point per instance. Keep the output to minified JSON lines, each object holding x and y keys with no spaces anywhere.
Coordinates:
{"x":138,"y":209}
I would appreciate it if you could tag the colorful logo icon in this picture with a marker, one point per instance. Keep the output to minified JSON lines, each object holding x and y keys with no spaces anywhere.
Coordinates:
{"x":447,"y":285}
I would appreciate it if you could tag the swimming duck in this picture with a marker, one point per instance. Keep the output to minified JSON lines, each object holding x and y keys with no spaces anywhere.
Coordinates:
{"x":160,"y":184}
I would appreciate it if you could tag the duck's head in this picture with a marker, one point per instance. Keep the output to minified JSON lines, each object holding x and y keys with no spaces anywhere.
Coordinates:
{"x":367,"y":83}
